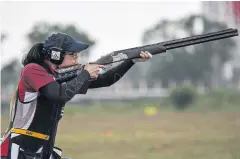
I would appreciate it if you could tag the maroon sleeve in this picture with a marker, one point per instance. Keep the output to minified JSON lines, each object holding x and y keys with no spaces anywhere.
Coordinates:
{"x":35,"y":76}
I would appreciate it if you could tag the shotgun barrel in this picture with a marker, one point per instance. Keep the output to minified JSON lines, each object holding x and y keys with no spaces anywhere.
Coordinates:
{"x":162,"y":47}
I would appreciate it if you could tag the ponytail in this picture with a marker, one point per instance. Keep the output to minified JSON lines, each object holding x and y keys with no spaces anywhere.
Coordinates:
{"x":34,"y":55}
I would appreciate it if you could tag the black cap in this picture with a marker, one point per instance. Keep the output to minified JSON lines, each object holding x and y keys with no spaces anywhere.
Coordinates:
{"x":69,"y":45}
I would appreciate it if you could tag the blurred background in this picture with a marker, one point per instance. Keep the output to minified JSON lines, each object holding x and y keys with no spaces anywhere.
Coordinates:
{"x":183,"y":104}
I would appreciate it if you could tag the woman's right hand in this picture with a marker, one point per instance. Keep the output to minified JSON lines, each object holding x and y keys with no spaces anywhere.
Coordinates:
{"x":93,"y":69}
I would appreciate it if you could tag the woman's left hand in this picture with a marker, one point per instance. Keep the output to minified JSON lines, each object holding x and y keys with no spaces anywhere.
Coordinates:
{"x":145,"y":57}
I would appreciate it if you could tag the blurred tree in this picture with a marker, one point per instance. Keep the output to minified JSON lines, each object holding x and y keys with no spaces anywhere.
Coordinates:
{"x":199,"y":63}
{"x":3,"y":37}
{"x":10,"y":74}
{"x":41,"y":30}
{"x":9,"y":80}
{"x":10,"y":71}
{"x":236,"y":76}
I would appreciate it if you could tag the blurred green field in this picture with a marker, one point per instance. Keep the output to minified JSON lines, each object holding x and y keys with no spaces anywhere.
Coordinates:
{"x":105,"y":133}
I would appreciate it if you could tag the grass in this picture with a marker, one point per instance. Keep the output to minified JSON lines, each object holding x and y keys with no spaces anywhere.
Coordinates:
{"x":126,"y":133}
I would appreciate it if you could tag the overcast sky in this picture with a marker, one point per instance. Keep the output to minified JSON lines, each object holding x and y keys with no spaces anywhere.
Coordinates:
{"x":114,"y":25}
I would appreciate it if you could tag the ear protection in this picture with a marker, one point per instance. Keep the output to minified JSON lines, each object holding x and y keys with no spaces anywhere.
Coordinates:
{"x":56,"y":54}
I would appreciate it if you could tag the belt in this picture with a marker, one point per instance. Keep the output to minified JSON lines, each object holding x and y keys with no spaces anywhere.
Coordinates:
{"x":30,"y":133}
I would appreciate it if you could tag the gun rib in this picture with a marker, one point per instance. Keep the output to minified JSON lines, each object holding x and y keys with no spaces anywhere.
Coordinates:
{"x":200,"y":39}
{"x":226,"y":31}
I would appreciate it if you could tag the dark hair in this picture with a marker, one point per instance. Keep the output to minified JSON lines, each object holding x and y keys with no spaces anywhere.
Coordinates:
{"x":34,"y":55}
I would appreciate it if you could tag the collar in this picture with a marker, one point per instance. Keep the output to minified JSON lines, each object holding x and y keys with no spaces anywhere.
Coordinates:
{"x":48,"y":66}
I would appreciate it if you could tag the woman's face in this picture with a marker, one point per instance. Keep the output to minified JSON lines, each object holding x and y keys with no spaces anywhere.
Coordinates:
{"x":69,"y":60}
